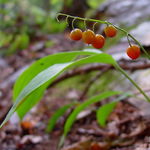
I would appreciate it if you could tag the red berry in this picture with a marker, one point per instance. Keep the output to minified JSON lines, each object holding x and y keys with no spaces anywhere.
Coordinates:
{"x":88,"y":36}
{"x":27,"y":125}
{"x":76,"y":34}
{"x":133,"y":51}
{"x":95,"y":146}
{"x":110,"y":31}
{"x":98,"y":41}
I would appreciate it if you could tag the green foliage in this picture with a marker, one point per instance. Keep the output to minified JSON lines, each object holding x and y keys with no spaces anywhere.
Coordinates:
{"x":22,"y":20}
{"x":3,"y":1}
{"x":20,"y":42}
{"x":56,"y":6}
{"x":5,"y":39}
{"x":95,"y":3}
{"x":51,"y":26}
{"x":13,"y":42}
{"x":68,"y":3}
{"x":105,"y":110}
{"x":60,"y":112}
{"x":38,"y":14}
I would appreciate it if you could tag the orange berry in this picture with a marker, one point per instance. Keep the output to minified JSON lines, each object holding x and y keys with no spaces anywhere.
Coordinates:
{"x":95,"y":146}
{"x":27,"y":124}
{"x":76,"y":34}
{"x":110,"y":31}
{"x":88,"y":36}
{"x":98,"y":41}
{"x":133,"y":51}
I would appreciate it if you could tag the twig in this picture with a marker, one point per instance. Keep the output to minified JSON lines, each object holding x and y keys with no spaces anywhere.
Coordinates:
{"x":127,"y":65}
{"x":94,"y":79}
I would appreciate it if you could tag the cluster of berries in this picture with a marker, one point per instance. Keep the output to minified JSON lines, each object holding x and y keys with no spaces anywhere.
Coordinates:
{"x":98,"y":41}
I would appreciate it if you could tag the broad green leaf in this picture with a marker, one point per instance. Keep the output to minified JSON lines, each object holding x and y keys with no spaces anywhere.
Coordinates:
{"x":35,"y":84}
{"x":84,"y":105}
{"x":42,"y":64}
{"x":36,"y":68}
{"x":104,"y":111}
{"x":60,"y":112}
{"x":44,"y":78}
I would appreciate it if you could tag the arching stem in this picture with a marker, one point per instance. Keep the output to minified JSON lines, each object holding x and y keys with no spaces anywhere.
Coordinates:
{"x":108,"y":23}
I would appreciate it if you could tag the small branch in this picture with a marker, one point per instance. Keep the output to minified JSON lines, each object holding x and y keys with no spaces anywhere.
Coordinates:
{"x":127,"y":65}
{"x":94,"y":79}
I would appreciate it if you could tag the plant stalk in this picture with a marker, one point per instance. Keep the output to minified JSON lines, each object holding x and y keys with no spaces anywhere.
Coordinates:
{"x":133,"y":82}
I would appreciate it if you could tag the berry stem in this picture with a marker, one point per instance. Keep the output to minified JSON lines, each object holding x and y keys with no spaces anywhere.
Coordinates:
{"x":85,"y":24}
{"x":57,"y":18}
{"x":94,"y":26}
{"x":67,"y":21}
{"x":129,"y":40}
{"x":107,"y":23}
{"x":73,"y":22}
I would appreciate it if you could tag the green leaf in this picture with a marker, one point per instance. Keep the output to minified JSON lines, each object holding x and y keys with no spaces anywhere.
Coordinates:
{"x":44,"y":78}
{"x":60,"y":112}
{"x":36,"y":68}
{"x":95,"y":3}
{"x":84,"y":105}
{"x":104,"y":111}
{"x":42,"y":64}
